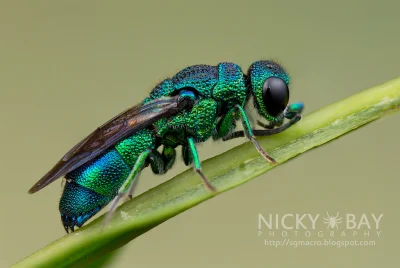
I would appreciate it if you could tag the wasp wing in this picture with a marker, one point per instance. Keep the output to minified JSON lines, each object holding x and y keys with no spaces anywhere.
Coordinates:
{"x":119,"y":127}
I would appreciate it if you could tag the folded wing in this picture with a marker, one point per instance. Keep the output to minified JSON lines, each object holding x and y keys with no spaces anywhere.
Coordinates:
{"x":116,"y":129}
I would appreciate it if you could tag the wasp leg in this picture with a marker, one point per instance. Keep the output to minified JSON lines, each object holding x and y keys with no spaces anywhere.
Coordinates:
{"x":268,"y":132}
{"x":169,"y":156}
{"x":264,"y":132}
{"x":187,"y":159}
{"x":156,"y":162}
{"x":270,"y":125}
{"x":132,"y":187}
{"x":161,"y":163}
{"x":197,"y":166}
{"x":128,"y":185}
{"x":292,"y":112}
{"x":249,"y":134}
{"x":226,"y":124}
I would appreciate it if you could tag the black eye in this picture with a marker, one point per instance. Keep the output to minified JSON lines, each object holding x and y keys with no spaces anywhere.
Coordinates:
{"x":275,"y":94}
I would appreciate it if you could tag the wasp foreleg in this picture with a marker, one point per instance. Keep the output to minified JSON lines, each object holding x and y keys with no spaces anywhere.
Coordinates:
{"x":292,"y":112}
{"x":249,"y":134}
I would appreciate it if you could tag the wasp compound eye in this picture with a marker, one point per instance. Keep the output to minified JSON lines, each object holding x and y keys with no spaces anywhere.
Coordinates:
{"x":275,"y":94}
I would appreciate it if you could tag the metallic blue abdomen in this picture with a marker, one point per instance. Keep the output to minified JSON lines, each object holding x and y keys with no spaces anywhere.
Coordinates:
{"x":93,"y":185}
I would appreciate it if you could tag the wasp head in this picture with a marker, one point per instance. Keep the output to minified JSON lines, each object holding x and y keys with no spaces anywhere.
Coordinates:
{"x":269,"y":85}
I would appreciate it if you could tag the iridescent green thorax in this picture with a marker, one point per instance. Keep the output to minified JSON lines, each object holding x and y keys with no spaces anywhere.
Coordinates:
{"x":218,"y":88}
{"x":165,"y":88}
{"x":198,"y":123}
{"x":231,"y":86}
{"x":202,"y":78}
{"x":259,"y":71}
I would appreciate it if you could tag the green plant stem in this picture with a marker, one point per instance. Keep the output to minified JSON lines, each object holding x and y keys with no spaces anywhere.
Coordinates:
{"x":240,"y":165}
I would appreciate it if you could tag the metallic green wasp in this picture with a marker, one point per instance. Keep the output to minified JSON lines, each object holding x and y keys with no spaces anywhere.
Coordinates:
{"x":198,"y":103}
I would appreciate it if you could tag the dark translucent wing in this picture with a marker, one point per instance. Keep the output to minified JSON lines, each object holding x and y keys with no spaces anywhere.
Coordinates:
{"x":120,"y":127}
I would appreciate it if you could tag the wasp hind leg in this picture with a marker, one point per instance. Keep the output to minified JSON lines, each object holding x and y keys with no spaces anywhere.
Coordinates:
{"x":129,"y":184}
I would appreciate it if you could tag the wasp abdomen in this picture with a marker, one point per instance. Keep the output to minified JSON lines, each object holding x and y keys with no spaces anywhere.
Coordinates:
{"x":78,"y":204}
{"x":93,"y":185}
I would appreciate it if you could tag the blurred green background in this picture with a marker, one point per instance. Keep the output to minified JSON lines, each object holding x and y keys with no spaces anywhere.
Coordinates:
{"x":68,"y":66}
